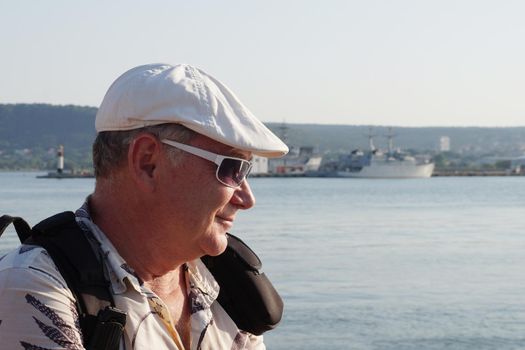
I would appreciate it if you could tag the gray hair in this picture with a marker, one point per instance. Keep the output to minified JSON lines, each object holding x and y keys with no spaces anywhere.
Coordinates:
{"x":110,"y":149}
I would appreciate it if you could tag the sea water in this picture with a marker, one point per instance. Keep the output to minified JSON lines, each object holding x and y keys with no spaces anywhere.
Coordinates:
{"x":366,"y":264}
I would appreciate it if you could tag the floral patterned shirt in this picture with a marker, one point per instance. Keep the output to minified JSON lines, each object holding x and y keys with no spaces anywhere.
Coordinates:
{"x":37,"y":310}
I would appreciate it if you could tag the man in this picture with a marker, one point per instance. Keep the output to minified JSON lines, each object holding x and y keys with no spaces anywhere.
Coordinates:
{"x":171,"y":156}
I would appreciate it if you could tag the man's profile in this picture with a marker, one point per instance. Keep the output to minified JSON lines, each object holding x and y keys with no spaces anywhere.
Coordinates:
{"x":173,"y":149}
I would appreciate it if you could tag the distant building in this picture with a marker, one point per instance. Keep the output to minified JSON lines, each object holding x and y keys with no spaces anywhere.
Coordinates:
{"x":444,"y":144}
{"x":260,"y":165}
{"x":298,"y":161}
{"x":517,"y":165}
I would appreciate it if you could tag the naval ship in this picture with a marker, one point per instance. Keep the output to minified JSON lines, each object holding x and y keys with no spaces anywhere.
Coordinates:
{"x":375,"y":163}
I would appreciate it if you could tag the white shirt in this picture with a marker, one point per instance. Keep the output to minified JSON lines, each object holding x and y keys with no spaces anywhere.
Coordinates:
{"x":37,"y":310}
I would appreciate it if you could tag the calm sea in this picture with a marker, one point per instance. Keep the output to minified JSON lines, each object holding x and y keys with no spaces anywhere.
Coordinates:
{"x":367,"y":264}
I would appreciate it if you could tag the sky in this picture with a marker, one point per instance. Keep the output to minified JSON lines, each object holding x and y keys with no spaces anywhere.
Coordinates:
{"x":366,"y":62}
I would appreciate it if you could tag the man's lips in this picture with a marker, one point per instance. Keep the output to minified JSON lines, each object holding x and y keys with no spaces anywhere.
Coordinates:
{"x":225,"y":221}
{"x":226,"y":218}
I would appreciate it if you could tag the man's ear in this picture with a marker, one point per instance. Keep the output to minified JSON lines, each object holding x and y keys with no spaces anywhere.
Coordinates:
{"x":144,"y":154}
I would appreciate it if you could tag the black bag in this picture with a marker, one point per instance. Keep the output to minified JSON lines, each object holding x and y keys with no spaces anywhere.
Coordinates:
{"x":246,"y":293}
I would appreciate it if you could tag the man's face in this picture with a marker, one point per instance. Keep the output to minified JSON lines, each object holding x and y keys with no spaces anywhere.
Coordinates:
{"x":201,"y":209}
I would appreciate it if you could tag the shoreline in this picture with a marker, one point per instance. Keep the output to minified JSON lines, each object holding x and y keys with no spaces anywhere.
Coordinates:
{"x":438,"y":173}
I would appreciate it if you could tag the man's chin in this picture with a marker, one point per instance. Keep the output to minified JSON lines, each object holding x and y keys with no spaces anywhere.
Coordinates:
{"x":216,"y":246}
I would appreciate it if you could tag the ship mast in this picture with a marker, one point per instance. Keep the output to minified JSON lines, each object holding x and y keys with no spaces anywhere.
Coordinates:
{"x":390,"y":137}
{"x":283,"y":130}
{"x":371,"y":139}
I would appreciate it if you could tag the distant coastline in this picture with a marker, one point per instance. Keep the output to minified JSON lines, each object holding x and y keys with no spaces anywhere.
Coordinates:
{"x":437,"y":173}
{"x":31,"y":133}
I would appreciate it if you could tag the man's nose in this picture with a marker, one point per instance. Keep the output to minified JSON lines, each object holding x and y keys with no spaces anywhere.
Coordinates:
{"x":243,"y":196}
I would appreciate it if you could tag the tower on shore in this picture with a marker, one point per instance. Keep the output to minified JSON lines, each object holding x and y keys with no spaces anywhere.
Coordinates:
{"x":60,"y":159}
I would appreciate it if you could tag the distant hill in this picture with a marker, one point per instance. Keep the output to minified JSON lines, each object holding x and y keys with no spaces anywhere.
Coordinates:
{"x":39,"y":127}
{"x":340,"y":138}
{"x":45,"y":126}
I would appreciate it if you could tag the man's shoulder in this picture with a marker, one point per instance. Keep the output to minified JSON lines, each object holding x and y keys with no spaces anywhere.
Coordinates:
{"x":28,"y":262}
{"x":37,"y":310}
{"x":24,"y":256}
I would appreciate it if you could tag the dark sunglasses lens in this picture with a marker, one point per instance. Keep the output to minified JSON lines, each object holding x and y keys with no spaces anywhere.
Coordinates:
{"x":233,"y":171}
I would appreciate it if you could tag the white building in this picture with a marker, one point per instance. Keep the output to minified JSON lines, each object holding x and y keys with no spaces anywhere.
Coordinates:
{"x":444,"y":144}
{"x":260,"y":165}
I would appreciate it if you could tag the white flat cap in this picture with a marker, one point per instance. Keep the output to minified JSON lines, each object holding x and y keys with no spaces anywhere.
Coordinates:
{"x":182,"y":94}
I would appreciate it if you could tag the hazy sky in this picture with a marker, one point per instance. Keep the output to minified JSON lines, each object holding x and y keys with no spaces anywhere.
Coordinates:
{"x":410,"y":63}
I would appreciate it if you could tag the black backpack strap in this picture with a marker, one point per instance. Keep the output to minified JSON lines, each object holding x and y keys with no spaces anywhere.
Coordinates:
{"x":21,"y":226}
{"x":246,"y":294}
{"x":65,"y":242}
{"x":83,"y":272}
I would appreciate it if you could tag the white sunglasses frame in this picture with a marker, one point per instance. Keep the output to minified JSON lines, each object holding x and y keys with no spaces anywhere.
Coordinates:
{"x":212,"y":157}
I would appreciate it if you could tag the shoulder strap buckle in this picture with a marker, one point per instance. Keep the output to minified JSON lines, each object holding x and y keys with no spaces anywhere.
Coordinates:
{"x":108,"y":329}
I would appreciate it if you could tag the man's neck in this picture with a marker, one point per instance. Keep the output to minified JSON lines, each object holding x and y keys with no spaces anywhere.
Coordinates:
{"x":130,"y":232}
{"x":167,"y":282}
{"x":172,"y":290}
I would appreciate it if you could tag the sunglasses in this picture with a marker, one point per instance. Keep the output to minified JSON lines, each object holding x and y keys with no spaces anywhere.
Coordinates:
{"x":231,"y":171}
